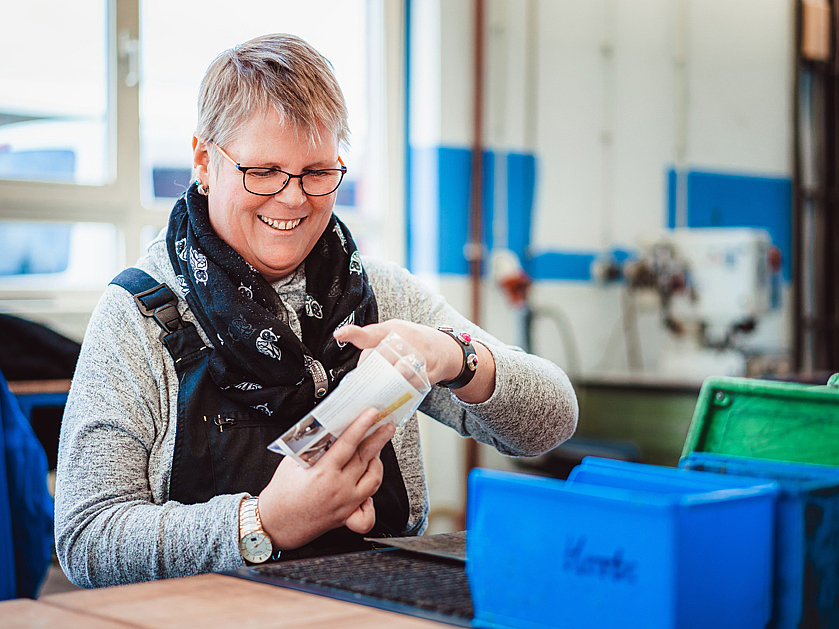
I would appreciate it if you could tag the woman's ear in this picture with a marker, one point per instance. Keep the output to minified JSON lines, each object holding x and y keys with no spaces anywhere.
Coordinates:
{"x":200,"y":160}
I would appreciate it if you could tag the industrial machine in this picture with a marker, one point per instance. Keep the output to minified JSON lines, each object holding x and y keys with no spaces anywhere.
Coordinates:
{"x":714,"y":285}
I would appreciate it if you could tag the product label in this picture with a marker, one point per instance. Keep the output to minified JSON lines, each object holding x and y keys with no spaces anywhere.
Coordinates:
{"x":374,"y":383}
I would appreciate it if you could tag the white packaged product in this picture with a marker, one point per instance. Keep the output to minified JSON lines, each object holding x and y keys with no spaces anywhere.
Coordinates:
{"x":391,"y":379}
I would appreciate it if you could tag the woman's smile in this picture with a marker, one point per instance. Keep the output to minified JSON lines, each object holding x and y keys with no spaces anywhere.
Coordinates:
{"x":281,"y":225}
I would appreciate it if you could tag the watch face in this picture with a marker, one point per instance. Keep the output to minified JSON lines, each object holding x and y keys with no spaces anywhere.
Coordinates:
{"x":256,"y":547}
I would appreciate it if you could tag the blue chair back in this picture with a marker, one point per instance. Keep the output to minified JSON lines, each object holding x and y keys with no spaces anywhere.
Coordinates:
{"x":26,"y":507}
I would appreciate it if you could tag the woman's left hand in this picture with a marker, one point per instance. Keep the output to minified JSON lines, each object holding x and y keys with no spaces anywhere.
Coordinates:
{"x":443,"y":355}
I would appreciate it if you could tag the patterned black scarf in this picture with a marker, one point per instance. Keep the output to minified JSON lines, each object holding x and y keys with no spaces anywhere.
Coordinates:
{"x":258,"y":361}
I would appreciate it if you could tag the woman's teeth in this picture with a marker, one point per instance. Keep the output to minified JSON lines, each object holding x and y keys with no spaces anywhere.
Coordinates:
{"x":281,"y":225}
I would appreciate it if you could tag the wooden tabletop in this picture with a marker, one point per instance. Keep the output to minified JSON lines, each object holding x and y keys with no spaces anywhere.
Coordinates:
{"x":207,"y":600}
{"x":19,"y":387}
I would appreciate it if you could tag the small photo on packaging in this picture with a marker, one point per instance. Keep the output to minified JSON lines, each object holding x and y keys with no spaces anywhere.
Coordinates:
{"x":311,"y":453}
{"x":308,"y":439}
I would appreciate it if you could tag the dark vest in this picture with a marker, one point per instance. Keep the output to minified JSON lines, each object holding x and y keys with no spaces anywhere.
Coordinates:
{"x":221,"y":447}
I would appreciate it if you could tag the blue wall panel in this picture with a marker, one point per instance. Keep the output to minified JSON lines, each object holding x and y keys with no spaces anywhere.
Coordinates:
{"x":440,"y":196}
{"x":558,"y":265}
{"x":439,"y":204}
{"x":423,"y":211}
{"x":521,"y":186}
{"x":728,"y":200}
{"x":455,"y":177}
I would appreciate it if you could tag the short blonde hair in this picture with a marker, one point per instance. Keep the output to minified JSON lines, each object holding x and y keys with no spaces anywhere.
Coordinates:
{"x":280,"y":71}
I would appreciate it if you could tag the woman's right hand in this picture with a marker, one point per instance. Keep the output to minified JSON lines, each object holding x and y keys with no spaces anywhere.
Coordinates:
{"x":300,"y":504}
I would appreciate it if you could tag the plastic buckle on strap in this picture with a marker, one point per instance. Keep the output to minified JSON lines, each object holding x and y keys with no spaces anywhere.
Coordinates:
{"x":165,"y":315}
{"x":168,"y":318}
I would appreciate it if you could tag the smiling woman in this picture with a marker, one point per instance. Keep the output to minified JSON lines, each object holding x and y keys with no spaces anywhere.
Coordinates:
{"x":247,"y":310}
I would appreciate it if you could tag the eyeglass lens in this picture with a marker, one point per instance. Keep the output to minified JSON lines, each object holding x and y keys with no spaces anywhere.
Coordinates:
{"x":268,"y":181}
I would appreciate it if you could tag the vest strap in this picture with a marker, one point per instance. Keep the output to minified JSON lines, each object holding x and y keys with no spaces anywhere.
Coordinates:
{"x":154,"y":300}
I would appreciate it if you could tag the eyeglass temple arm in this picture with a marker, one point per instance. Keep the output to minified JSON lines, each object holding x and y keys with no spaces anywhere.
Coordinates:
{"x":222,"y":151}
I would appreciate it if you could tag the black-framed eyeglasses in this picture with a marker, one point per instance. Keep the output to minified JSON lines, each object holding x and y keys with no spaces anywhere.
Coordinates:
{"x":266,"y":182}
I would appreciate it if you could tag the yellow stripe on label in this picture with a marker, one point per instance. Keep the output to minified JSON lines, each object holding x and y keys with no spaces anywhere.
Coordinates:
{"x":405,"y":398}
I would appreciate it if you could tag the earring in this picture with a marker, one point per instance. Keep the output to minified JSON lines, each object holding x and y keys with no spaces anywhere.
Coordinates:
{"x":202,"y":189}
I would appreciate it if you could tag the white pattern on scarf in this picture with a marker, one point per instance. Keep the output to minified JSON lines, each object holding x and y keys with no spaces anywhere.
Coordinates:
{"x":266,"y":344}
{"x":198,"y":262}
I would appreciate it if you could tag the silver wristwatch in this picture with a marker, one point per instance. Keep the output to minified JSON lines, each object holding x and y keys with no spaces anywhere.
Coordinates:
{"x":254,"y":543}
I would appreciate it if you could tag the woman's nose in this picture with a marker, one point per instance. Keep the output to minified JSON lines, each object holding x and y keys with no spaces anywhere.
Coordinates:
{"x":292,"y":195}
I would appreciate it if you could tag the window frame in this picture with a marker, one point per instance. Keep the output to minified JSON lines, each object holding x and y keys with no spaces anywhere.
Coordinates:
{"x":118,"y":201}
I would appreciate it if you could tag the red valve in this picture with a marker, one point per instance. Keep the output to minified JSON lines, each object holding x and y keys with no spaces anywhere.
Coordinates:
{"x":774,"y":259}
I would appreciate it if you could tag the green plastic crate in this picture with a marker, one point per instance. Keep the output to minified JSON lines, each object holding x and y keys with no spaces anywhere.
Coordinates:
{"x":766,"y":419}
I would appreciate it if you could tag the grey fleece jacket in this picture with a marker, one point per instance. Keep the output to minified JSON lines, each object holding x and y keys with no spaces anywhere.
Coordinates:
{"x":114,"y":522}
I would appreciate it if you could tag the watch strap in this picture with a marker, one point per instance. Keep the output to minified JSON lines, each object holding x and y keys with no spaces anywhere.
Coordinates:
{"x":470,"y":359}
{"x":250,"y":523}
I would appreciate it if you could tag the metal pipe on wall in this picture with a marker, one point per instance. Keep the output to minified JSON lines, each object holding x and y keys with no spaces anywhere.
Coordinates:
{"x":797,"y":254}
{"x":815,"y":185}
{"x":475,"y":248}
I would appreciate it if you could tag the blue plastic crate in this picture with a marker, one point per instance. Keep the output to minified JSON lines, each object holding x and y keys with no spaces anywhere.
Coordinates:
{"x":687,"y":551}
{"x":807,"y":535}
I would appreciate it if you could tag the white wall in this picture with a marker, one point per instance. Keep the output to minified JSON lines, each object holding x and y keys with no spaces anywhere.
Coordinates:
{"x":608,"y":95}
